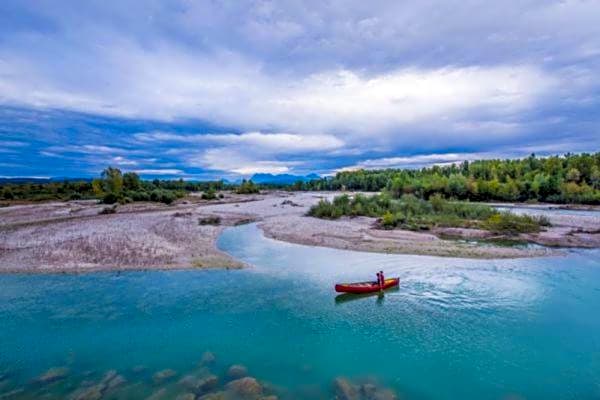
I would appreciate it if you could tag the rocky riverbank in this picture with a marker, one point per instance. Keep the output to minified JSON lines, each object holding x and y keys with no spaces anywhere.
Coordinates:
{"x":80,"y":236}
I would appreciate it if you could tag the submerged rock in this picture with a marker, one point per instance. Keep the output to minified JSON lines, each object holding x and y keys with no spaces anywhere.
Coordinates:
{"x":345,"y":390}
{"x":188,"y":382}
{"x":385,"y":394}
{"x":158,"y":395}
{"x":116,"y":381}
{"x":199,"y":385}
{"x":163,"y":375}
{"x":89,"y":393}
{"x":368,"y":390}
{"x":11,"y":394}
{"x":245,"y":388}
{"x":108,"y":376}
{"x":52,"y":375}
{"x":208,"y":358}
{"x":237,"y":371}
{"x":186,"y":396}
{"x":213,"y":396}
{"x":371,"y":391}
{"x":207,"y":384}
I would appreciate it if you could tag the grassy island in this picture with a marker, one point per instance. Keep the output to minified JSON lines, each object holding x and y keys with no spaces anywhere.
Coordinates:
{"x":412,"y":213}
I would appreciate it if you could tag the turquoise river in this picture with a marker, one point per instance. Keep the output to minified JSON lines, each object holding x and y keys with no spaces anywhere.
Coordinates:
{"x":455,"y":329}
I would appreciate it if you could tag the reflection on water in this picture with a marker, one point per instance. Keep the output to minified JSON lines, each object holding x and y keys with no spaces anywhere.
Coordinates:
{"x":454,"y":328}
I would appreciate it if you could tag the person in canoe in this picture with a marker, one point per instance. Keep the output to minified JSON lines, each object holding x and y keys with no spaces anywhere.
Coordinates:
{"x":380,"y":280}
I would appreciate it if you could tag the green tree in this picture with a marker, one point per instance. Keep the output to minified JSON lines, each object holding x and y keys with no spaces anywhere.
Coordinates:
{"x":112,"y":180}
{"x":573,"y":175}
{"x":131,"y":181}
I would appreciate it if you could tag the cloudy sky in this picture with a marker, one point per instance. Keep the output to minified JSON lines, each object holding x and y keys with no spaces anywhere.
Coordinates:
{"x":204,"y":89}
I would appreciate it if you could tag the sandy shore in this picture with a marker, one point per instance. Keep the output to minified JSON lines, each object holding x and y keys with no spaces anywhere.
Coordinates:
{"x":76,"y":237}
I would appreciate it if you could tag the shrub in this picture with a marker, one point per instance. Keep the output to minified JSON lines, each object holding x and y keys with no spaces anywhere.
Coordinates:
{"x":75,"y":196}
{"x":210,"y":194}
{"x":388,"y":220}
{"x":110,"y":198}
{"x":138,"y":195}
{"x":211,"y":220}
{"x":163,"y":196}
{"x":247,"y":187}
{"x":324,"y":209}
{"x":410,"y":212}
{"x":506,"y":222}
{"x":7,"y":194}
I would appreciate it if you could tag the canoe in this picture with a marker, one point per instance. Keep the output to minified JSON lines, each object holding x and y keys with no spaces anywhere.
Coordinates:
{"x":366,"y":287}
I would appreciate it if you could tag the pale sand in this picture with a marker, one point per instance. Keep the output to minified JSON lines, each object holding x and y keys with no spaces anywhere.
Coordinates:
{"x":73,"y":237}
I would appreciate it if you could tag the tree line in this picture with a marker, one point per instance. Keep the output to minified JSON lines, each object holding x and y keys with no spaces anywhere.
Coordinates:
{"x":572,"y":178}
{"x":111,"y":187}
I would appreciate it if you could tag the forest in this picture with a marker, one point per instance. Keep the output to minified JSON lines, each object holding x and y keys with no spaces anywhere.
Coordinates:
{"x":572,"y":178}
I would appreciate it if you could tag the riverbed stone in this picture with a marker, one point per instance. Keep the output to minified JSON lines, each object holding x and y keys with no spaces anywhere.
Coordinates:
{"x":345,"y":390}
{"x":116,"y":381}
{"x":207,"y":384}
{"x":186,"y":396}
{"x":158,"y":395}
{"x":213,"y":396}
{"x":237,"y":371}
{"x":89,"y":393}
{"x":385,"y":394}
{"x":208,"y":358}
{"x":245,"y":388}
{"x":108,"y":376}
{"x":164,"y":375}
{"x":371,"y":391}
{"x":52,"y":375}
{"x":189,"y":381}
{"x":368,"y":390}
{"x":12,"y":394}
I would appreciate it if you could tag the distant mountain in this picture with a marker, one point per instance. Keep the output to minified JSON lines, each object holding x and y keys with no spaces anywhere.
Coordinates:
{"x":282,"y":179}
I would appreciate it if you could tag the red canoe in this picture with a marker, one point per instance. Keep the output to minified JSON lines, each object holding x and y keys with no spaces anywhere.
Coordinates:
{"x":366,"y":287}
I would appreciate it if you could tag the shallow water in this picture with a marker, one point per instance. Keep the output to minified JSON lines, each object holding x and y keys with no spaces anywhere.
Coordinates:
{"x":472,"y":329}
{"x":549,"y":211}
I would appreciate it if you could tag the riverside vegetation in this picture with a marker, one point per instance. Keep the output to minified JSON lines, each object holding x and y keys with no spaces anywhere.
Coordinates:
{"x":572,"y":178}
{"x":411,"y":213}
{"x":113,"y":187}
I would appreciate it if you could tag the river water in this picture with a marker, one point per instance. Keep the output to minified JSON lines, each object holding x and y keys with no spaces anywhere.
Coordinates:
{"x":456,"y":328}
